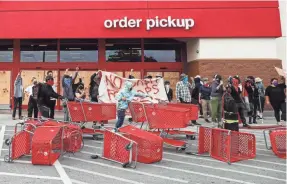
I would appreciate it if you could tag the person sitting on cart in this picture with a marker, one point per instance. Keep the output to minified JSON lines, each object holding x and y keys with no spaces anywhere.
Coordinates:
{"x":230,"y":111}
{"x":124,"y":97}
{"x":45,"y":93}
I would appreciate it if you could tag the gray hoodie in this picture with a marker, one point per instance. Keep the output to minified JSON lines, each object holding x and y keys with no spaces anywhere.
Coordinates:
{"x":18,"y":87}
{"x":67,"y":82}
{"x":214,"y":91}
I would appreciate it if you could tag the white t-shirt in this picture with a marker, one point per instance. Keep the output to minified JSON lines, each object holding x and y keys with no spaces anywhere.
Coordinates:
{"x":55,"y":89}
{"x":29,"y":90}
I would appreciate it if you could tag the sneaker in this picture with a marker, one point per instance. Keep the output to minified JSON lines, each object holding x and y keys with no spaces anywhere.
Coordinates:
{"x":207,"y":121}
{"x":201,"y":116}
{"x":195,"y":123}
{"x":13,"y":118}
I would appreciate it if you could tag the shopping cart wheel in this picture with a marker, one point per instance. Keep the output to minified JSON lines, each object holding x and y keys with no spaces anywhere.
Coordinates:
{"x":190,"y":137}
{"x":7,"y":142}
{"x":94,"y":157}
{"x":125,"y":165}
{"x":180,"y":149}
{"x":7,"y":159}
{"x":95,"y":137}
{"x":129,"y":146}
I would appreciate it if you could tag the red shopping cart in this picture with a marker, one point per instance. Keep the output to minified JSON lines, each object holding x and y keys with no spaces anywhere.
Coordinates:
{"x":119,"y":149}
{"x":72,"y":135}
{"x":203,"y":142}
{"x":83,"y":112}
{"x":20,"y":143}
{"x":139,"y":116}
{"x":149,"y":145}
{"x":47,"y":144}
{"x":232,"y":146}
{"x":277,"y":140}
{"x":162,"y":119}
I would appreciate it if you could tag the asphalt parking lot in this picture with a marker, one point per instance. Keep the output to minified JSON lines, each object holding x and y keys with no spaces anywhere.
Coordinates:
{"x":175,"y":168}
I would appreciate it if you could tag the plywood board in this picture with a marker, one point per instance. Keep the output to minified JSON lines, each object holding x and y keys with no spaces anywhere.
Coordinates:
{"x":27,"y":76}
{"x":5,"y":81}
{"x":40,"y":75}
{"x":173,"y":78}
{"x":153,"y":74}
{"x":136,"y":74}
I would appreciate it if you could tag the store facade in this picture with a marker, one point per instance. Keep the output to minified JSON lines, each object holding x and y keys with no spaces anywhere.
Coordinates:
{"x":148,"y":36}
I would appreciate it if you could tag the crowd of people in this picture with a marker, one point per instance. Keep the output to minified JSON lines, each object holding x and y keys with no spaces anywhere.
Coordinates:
{"x":43,"y":94}
{"x":225,"y":102}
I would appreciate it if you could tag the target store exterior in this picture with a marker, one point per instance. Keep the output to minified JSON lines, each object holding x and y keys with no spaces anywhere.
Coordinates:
{"x":166,"y":37}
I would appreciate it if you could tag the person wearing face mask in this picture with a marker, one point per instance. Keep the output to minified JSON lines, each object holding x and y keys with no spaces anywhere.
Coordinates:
{"x":217,"y":90}
{"x":45,"y":93}
{"x":204,"y":98}
{"x":184,"y":91}
{"x":168,"y":91}
{"x":261,"y":90}
{"x":67,"y":84}
{"x":32,"y":104}
{"x":124,"y":97}
{"x":253,"y":98}
{"x":276,"y":96}
{"x":236,"y":93}
{"x":80,"y":92}
{"x":183,"y":94}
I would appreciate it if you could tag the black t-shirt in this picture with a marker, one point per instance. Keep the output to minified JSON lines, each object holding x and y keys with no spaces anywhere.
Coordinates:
{"x":276,"y":94}
{"x":236,"y":94}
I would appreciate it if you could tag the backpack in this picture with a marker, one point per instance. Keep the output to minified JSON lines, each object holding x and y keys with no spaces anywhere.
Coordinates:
{"x":229,"y":104}
{"x":35,"y":91}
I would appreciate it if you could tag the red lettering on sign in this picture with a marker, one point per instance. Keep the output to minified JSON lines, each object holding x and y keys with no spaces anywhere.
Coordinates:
{"x":140,"y":81}
{"x":116,"y":78}
{"x":155,"y":87}
{"x":112,"y":93}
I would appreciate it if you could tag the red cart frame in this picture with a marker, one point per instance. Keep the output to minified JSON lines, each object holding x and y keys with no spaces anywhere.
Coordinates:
{"x":21,"y":142}
{"x":83,"y":112}
{"x":277,"y":138}
{"x":119,"y":149}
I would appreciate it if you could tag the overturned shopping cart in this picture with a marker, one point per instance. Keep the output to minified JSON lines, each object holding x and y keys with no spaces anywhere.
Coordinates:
{"x":277,"y":138}
{"x":21,"y":142}
{"x":119,"y":149}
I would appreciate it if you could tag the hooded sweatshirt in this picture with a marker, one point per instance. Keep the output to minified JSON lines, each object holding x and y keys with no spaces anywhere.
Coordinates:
{"x":67,"y":84}
{"x":129,"y":94}
{"x":195,"y":92}
{"x":18,"y":87}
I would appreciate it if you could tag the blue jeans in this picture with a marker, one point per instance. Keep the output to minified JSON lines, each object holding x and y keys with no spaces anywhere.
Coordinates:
{"x":121,"y":117}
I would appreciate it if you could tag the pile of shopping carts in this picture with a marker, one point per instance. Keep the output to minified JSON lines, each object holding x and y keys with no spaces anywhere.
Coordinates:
{"x":45,"y":140}
{"x":154,"y":127}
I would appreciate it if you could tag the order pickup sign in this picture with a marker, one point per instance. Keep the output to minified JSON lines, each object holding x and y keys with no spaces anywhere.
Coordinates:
{"x":186,"y":23}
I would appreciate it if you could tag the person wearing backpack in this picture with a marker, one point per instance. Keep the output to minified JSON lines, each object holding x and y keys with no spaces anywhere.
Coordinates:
{"x":230,"y":111}
{"x":32,"y":93}
{"x":45,"y":93}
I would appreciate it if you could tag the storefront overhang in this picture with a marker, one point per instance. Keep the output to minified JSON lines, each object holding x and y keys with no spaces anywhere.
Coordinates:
{"x":144,"y":19}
